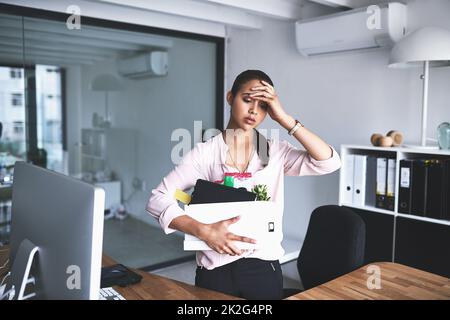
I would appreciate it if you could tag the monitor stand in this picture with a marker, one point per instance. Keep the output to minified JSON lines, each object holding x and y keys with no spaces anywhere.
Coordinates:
{"x":20,"y":270}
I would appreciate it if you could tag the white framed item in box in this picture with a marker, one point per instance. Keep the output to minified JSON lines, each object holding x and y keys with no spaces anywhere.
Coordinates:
{"x":259,"y":220}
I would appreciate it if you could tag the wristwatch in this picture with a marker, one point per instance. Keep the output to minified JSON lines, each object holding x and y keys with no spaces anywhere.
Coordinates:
{"x":297,"y":125}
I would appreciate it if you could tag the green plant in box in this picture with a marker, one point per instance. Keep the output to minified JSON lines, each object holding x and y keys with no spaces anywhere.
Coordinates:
{"x":261,"y":192}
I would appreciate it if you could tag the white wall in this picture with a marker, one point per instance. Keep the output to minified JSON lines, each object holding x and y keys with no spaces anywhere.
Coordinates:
{"x":146,"y":112}
{"x":343,"y":98}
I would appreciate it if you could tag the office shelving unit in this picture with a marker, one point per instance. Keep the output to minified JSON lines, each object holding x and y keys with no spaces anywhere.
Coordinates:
{"x":93,"y":152}
{"x":398,"y":154}
{"x":391,"y":235}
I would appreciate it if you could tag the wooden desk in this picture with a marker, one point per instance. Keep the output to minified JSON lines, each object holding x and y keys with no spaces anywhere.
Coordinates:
{"x":152,"y":286}
{"x":398,"y":282}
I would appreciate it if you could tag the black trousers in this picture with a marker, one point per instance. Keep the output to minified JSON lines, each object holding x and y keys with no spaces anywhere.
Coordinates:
{"x":248,"y":278}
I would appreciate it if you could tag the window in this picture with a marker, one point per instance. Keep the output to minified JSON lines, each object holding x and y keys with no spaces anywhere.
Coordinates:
{"x":15,"y":73}
{"x":44,"y":105}
{"x":12,"y":115}
{"x":49,"y":70}
{"x":52,"y":132}
{"x":16,"y":99}
{"x":18,"y":127}
{"x":49,"y":114}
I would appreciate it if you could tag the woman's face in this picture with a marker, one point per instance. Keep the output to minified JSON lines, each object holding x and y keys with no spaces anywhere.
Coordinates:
{"x":245,"y":109}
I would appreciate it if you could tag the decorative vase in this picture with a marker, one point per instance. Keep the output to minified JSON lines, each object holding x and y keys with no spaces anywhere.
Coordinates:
{"x":443,"y":135}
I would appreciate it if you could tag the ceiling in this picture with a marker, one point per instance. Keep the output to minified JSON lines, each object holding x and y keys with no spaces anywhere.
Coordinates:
{"x":51,"y":42}
{"x":239,"y":13}
{"x":348,"y":3}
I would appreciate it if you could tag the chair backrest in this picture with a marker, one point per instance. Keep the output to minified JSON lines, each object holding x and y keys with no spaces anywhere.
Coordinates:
{"x":334,"y":245}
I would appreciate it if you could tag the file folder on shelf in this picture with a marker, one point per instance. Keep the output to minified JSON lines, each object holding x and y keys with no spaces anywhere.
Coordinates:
{"x":405,"y":186}
{"x":390,"y":185}
{"x":348,"y":179}
{"x":446,"y":211}
{"x":424,"y":188}
{"x":435,"y":190}
{"x":419,"y":187}
{"x":371,"y":181}
{"x":359,"y":180}
{"x":381,"y":183}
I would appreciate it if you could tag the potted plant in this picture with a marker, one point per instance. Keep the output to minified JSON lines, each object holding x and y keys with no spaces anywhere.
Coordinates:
{"x":261,"y":192}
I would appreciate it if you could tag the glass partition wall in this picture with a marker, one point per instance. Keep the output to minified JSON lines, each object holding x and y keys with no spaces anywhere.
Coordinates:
{"x":100,"y":103}
{"x":12,"y":112}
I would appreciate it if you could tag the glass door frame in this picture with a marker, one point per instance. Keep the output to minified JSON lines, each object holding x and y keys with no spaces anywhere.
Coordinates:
{"x":27,"y":12}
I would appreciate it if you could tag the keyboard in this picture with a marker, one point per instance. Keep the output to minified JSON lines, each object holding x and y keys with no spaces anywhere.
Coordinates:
{"x":110,"y":294}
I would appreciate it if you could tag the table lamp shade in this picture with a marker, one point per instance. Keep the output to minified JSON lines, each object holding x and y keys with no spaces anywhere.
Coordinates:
{"x":427,"y":44}
{"x":427,"y":47}
{"x":105,"y":83}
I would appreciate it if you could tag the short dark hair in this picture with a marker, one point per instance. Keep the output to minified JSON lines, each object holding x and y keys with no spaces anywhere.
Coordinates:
{"x":246,"y":76}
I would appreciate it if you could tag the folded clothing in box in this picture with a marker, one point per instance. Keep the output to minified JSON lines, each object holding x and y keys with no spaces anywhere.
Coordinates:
{"x":211,"y":192}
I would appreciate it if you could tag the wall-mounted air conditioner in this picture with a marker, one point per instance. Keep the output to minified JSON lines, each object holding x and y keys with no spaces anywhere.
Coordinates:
{"x":352,"y":30}
{"x":149,"y":64}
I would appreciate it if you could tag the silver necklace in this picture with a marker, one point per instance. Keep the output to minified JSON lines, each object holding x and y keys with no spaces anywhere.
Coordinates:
{"x":248,"y":161}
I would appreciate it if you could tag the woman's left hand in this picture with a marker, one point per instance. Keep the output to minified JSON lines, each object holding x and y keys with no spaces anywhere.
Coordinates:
{"x":266,"y":93}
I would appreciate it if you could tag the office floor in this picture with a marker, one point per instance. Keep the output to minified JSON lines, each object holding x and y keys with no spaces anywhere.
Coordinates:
{"x":137,"y":244}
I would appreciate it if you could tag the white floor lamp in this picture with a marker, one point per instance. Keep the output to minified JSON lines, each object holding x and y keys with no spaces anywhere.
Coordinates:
{"x":106,"y":83}
{"x":427,"y":47}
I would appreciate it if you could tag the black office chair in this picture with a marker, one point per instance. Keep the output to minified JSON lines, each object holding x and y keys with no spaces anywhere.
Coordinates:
{"x":38,"y":157}
{"x":334,"y":245}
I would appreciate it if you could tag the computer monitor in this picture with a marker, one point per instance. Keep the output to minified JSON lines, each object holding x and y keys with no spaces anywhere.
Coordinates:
{"x":58,"y":220}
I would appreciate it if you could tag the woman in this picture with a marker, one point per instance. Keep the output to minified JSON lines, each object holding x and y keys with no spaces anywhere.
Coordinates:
{"x":251,"y":274}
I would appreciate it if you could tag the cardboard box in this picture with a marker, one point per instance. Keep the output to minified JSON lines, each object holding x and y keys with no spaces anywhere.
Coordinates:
{"x":259,"y":220}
